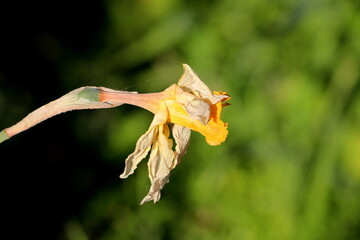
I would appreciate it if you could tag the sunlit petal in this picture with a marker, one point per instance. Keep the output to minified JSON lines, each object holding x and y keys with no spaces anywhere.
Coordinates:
{"x":143,"y":145}
{"x":215,"y":131}
{"x":159,"y":164}
{"x":181,"y":136}
{"x":190,"y":82}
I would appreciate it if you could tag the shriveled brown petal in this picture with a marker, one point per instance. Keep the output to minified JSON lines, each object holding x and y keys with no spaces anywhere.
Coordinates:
{"x":181,"y":136}
{"x":159,"y":164}
{"x":143,"y":145}
{"x":190,"y":82}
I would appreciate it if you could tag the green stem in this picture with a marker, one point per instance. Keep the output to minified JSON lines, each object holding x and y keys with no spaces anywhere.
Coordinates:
{"x":3,"y":136}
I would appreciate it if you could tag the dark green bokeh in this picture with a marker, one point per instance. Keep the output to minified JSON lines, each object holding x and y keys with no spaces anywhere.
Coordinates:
{"x":290,"y":168}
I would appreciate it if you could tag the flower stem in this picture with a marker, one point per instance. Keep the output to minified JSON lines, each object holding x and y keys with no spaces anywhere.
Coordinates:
{"x":148,"y":101}
{"x":81,"y":98}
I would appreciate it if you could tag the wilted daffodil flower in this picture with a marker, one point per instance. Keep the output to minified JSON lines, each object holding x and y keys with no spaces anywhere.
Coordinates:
{"x":185,"y":106}
{"x":190,"y":104}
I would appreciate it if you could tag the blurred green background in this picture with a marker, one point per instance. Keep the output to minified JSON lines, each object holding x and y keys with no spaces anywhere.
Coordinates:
{"x":290,"y":168}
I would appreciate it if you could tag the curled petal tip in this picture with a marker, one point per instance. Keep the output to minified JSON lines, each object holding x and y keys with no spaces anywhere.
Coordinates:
{"x":146,"y":199}
{"x":185,"y":66}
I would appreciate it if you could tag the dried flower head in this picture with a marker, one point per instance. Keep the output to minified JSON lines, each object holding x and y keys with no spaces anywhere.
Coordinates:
{"x":182,"y":107}
{"x":190,"y":104}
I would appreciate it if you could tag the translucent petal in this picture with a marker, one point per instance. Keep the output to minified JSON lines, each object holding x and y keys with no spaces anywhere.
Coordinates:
{"x":159,"y":164}
{"x":143,"y":145}
{"x":142,"y":148}
{"x":190,"y":82}
{"x":199,"y":110}
{"x":181,"y":136}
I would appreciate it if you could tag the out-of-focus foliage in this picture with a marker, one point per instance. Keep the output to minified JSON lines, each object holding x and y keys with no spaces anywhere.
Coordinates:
{"x":290,"y":168}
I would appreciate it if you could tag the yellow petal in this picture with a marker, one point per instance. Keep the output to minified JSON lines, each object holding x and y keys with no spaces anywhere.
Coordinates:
{"x":215,"y":131}
{"x":197,"y":109}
